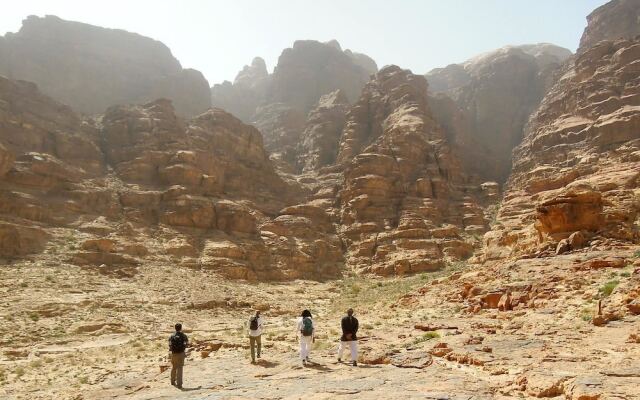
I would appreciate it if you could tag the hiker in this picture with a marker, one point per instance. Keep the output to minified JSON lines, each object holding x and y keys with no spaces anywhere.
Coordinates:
{"x":177,"y":345}
{"x":305,"y":329}
{"x":255,"y":335}
{"x":349,"y":329}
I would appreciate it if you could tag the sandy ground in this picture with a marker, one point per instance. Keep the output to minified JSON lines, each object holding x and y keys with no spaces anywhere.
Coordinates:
{"x":89,"y":333}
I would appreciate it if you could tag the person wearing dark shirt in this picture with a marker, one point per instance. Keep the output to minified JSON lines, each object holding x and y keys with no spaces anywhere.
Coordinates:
{"x":349,"y":338}
{"x":177,"y":346}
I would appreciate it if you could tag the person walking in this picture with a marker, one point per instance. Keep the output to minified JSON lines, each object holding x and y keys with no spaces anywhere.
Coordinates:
{"x":349,"y":329}
{"x":305,"y":330}
{"x":255,"y":335}
{"x":177,"y":346}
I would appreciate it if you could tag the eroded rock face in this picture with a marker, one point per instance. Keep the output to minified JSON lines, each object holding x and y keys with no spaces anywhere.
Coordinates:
{"x":402,"y":210}
{"x":577,"y":168}
{"x":311,"y":69}
{"x":321,"y":137}
{"x":6,"y":160}
{"x":278,"y":104}
{"x":91,"y":68}
{"x":144,"y":185}
{"x":245,"y":94}
{"x":493,"y":95}
{"x":618,"y":19}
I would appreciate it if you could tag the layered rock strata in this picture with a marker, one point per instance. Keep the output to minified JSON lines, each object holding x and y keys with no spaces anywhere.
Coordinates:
{"x":493,"y":96}
{"x":577,"y":170}
{"x":144,"y":185}
{"x":404,"y":204}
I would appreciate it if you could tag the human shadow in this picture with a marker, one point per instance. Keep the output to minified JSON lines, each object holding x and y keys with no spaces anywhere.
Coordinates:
{"x":316,"y":366}
{"x":189,"y":389}
{"x":360,"y":365}
{"x":267,"y":364}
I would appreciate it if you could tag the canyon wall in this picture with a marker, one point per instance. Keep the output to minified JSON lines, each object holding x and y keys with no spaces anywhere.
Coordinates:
{"x":576,"y":175}
{"x":493,"y":96}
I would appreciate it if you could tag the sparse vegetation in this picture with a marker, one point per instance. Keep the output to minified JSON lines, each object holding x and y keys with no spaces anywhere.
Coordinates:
{"x":19,"y":372}
{"x":358,"y":291}
{"x":425,"y":338}
{"x":636,"y":254}
{"x":608,"y":288}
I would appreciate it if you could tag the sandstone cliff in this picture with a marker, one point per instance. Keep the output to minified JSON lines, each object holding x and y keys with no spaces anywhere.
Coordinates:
{"x":404,"y":206}
{"x":618,"y":19}
{"x":494,"y":94}
{"x":318,"y":146}
{"x":245,"y":94}
{"x":91,"y":68}
{"x":140,"y":184}
{"x":278,"y":104}
{"x":577,"y":170}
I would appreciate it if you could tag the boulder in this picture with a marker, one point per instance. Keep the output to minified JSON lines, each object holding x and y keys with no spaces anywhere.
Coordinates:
{"x":17,"y":240}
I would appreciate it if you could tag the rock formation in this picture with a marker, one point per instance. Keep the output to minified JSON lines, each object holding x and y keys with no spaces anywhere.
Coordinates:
{"x":318,"y":146}
{"x":493,"y":94}
{"x":311,"y":69}
{"x":142,"y":184}
{"x":91,"y":68}
{"x":277,"y":104}
{"x":245,"y":94}
{"x":403,"y":206}
{"x":618,"y":19}
{"x":577,"y":169}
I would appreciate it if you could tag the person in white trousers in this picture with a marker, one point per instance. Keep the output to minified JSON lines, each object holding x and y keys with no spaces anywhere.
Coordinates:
{"x":349,"y":329}
{"x":305,"y":329}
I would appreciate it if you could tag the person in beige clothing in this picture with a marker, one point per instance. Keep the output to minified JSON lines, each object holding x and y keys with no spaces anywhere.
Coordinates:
{"x":255,"y":335}
{"x":177,"y":346}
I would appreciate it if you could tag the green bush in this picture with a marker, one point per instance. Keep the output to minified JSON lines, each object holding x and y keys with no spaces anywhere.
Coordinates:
{"x":426,"y":337}
{"x":608,"y":288}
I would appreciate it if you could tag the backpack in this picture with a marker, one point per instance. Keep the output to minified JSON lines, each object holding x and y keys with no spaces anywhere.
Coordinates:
{"x":176,"y":343}
{"x":307,"y":326}
{"x":253,"y":323}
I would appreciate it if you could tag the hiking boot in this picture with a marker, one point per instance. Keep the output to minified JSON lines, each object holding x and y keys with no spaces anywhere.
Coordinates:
{"x":258,"y":355}
{"x":179,"y":386}
{"x":355,"y":363}
{"x":339,"y":359}
{"x":307,"y":359}
{"x":304,"y":363}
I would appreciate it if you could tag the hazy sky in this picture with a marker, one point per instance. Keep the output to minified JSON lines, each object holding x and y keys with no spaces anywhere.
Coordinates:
{"x":219,"y":37}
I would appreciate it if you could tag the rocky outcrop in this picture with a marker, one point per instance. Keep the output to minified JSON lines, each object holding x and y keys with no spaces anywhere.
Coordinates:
{"x":91,"y":68}
{"x":144,"y":185}
{"x":281,"y":126}
{"x":278,"y":104}
{"x":311,"y":69}
{"x":403,"y":209}
{"x":245,"y":94}
{"x":6,"y":160}
{"x":578,"y":167}
{"x":319,"y":143}
{"x":493,"y":94}
{"x":618,"y":19}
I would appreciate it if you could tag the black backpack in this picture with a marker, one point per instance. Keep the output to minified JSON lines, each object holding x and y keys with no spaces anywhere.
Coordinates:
{"x":176,"y":343}
{"x":253,"y":323}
